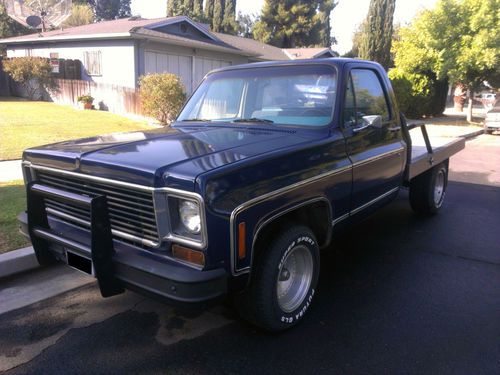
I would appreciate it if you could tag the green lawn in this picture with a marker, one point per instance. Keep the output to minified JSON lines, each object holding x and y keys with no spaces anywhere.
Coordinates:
{"x":12,"y":202}
{"x":26,"y":124}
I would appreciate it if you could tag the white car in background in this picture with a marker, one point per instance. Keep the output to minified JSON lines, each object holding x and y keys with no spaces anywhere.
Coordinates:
{"x":492,"y":122}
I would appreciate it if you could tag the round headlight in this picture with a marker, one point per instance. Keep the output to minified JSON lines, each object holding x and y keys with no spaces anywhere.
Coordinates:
{"x":189,"y":213}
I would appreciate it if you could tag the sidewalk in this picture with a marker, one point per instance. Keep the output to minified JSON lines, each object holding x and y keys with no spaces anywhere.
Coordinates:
{"x":10,"y":170}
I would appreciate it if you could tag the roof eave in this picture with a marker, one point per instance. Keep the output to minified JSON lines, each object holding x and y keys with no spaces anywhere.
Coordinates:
{"x":138,"y":35}
{"x":42,"y":39}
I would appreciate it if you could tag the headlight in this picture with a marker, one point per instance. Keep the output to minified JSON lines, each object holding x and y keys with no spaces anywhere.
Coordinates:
{"x":189,"y":213}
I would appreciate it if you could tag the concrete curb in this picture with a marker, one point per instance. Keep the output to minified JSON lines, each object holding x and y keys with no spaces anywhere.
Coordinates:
{"x":17,"y":261}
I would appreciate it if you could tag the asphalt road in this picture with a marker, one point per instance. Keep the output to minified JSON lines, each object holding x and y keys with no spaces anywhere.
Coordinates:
{"x":398,"y":294}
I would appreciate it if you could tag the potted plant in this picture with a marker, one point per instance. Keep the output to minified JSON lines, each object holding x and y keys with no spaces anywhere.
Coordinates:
{"x":87,"y":101}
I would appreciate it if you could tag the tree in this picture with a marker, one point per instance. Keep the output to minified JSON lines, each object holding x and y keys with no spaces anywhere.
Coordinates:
{"x":325,"y":9}
{"x":81,"y":14}
{"x":33,"y":73}
{"x":229,"y":24}
{"x":357,"y":37}
{"x":289,"y":24}
{"x":377,"y":32}
{"x":9,"y":27}
{"x":172,"y":8}
{"x":218,"y":16}
{"x":124,"y":10}
{"x":246,"y":23}
{"x":189,"y":8}
{"x":110,"y":9}
{"x":209,"y":10}
{"x":457,"y":40}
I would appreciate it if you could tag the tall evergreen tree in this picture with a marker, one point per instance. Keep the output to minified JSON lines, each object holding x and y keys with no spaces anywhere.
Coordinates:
{"x":377,"y":34}
{"x":246,"y":23}
{"x":229,"y":24}
{"x":189,"y":8}
{"x":198,"y":7}
{"x":173,"y":7}
{"x":289,"y":24}
{"x":209,"y":10}
{"x":218,"y":16}
{"x":324,"y":11}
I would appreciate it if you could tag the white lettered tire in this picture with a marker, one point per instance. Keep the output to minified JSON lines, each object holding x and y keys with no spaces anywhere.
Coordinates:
{"x":284,"y":280}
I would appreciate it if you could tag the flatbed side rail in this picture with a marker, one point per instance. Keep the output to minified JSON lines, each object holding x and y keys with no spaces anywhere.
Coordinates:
{"x":101,"y":249}
{"x":424,"y":134}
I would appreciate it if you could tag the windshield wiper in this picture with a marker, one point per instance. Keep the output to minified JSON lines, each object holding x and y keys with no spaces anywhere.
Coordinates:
{"x":254,"y":119}
{"x":196,"y":119}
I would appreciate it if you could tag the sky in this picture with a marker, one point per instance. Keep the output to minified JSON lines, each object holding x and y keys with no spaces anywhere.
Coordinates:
{"x":344,"y":19}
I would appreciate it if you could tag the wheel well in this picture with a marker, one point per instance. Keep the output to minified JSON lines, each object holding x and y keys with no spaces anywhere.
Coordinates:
{"x":316,"y":216}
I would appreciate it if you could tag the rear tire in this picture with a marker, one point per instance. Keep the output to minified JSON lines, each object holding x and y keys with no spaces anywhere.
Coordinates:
{"x":428,"y":190}
{"x":283,"y":281}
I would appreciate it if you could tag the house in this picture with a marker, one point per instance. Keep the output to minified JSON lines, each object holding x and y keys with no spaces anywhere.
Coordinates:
{"x":119,"y":51}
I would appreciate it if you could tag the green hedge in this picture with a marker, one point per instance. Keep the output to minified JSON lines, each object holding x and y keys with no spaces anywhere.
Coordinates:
{"x":418,"y":94}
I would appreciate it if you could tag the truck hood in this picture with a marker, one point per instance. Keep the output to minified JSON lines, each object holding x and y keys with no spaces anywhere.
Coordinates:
{"x":162,"y":157}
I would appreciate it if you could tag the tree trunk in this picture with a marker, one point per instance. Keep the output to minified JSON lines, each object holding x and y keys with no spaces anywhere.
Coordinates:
{"x":469,"y":107}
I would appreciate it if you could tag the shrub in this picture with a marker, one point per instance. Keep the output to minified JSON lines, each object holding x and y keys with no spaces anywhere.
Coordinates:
{"x":33,"y":73}
{"x":85,"y":98}
{"x":418,"y":94}
{"x":162,"y":96}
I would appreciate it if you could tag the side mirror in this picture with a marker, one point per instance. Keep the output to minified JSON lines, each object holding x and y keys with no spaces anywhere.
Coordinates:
{"x":373,"y":120}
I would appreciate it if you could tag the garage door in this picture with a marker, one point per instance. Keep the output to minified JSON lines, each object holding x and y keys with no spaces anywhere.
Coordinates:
{"x":156,"y":62}
{"x":203,"y":65}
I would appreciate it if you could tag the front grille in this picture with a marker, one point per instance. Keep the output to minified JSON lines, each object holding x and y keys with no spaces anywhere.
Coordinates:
{"x":131,"y":212}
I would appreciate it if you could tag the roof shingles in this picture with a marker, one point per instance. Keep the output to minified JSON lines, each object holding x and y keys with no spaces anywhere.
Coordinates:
{"x":138,"y":27}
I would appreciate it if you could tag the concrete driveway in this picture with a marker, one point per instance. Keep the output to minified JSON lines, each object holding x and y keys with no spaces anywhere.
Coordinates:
{"x":398,"y":294}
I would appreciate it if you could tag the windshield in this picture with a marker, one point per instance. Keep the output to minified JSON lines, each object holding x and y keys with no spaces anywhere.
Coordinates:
{"x":286,"y":95}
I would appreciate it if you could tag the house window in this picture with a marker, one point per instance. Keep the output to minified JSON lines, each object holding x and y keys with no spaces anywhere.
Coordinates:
{"x":92,"y":62}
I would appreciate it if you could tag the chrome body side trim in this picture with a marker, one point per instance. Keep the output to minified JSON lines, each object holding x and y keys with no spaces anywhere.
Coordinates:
{"x":373,"y":201}
{"x":264,"y":197}
{"x":286,"y":189}
{"x":340,"y":218}
{"x":378,"y":157}
{"x":281,"y":213}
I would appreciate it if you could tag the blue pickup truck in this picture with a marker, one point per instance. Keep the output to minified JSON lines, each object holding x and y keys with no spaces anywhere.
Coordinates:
{"x":265,"y":163}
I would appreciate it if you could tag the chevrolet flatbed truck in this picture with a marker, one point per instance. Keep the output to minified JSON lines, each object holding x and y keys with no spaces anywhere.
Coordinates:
{"x":264,"y":165}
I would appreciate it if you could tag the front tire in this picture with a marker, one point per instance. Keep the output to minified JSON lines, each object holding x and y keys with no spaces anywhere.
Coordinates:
{"x":284,"y":280}
{"x":428,"y":190}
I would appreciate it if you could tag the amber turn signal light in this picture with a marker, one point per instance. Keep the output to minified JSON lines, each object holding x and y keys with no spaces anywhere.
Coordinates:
{"x":188,"y":255}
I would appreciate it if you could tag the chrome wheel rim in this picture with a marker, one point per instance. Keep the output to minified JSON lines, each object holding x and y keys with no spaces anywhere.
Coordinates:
{"x":439,"y":188}
{"x":294,"y":278}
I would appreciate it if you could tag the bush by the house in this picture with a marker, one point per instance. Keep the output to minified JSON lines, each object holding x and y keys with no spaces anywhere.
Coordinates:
{"x":418,"y":94}
{"x":162,"y":96}
{"x":34,"y":74}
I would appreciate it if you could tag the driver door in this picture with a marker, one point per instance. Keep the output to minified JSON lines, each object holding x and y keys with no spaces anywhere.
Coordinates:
{"x":373,"y":138}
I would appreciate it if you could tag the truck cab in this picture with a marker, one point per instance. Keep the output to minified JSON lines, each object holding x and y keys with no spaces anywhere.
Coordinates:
{"x":263,"y":165}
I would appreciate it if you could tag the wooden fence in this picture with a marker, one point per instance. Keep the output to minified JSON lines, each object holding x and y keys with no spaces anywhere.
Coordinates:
{"x":112,"y":98}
